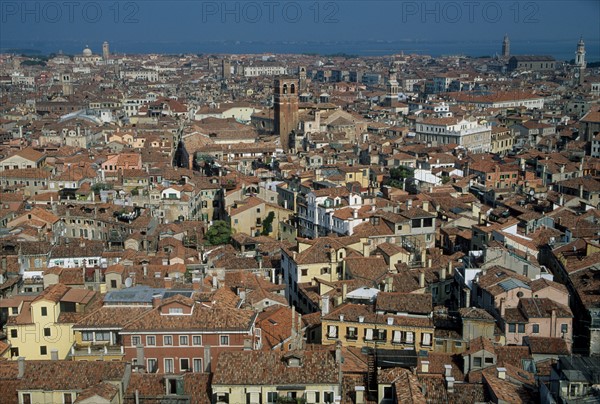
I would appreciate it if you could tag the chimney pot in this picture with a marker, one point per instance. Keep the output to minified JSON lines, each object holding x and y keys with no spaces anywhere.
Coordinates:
{"x":501,"y":373}
{"x":424,"y":366}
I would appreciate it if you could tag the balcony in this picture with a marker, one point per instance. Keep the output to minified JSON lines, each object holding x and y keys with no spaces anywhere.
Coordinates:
{"x":95,"y":352}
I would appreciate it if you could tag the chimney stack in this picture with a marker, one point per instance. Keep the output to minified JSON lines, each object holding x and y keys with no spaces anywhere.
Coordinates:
{"x":424,"y":366}
{"x":196,"y":283}
{"x":324,"y":306}
{"x":447,"y":370}
{"x":141,"y":361}
{"x":168,"y":283}
{"x":344,"y":292}
{"x":501,"y":373}
{"x":156,"y":299}
{"x":421,"y":279}
{"x":21,"y":361}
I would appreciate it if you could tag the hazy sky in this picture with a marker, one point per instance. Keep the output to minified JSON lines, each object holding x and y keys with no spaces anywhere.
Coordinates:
{"x":150,"y":22}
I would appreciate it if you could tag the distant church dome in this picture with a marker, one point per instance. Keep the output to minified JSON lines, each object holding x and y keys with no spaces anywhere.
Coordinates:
{"x":87,"y":51}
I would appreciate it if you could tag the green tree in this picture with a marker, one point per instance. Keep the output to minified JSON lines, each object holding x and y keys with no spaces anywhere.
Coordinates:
{"x":268,"y":224}
{"x":445,"y":179}
{"x":219,"y":233}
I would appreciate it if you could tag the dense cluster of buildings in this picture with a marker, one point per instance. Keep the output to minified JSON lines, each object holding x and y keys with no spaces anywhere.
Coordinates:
{"x":299,"y":229}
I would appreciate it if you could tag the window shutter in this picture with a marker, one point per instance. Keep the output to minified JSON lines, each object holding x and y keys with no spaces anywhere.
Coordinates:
{"x":426,"y":339}
{"x":332,"y":331}
{"x":397,"y":337}
{"x":409,"y":337}
{"x":369,"y":335}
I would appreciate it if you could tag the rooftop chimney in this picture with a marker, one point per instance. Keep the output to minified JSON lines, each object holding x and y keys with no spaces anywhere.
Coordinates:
{"x":168,"y":283}
{"x":450,"y":384}
{"x":141,"y":361}
{"x":447,"y":370}
{"x":344,"y":291}
{"x":422,"y":279}
{"x":325,"y":305}
{"x":21,"y":361}
{"x":424,"y":366}
{"x":501,"y":373}
{"x":196,"y":283}
{"x":156,"y":299}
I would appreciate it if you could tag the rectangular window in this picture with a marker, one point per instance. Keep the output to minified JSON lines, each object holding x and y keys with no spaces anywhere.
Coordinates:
{"x":328,"y":397}
{"x":535,"y":328}
{"x":224,"y":340}
{"x":477,"y":362}
{"x":332,"y":331}
{"x":416,"y":223}
{"x":67,"y":398}
{"x":13,"y":333}
{"x":369,"y":334}
{"x":198,"y":365}
{"x":43,"y":350}
{"x":46,"y":332}
{"x":489,"y":361}
{"x":521,"y":328}
{"x":168,"y":340}
{"x":44,"y":311}
{"x":512,"y":327}
{"x":102,"y":335}
{"x":169,"y":365}
{"x":152,"y":365}
{"x":272,"y":397}
{"x":87,"y":335}
{"x":15,"y":310}
{"x":175,"y":310}
{"x":26,"y":398}
{"x":426,"y":339}
{"x":150,"y":340}
{"x":564,"y":328}
{"x":184,"y":364}
{"x":136,"y":340}
{"x":183,"y":340}
{"x":351,"y":333}
{"x":197,"y":340}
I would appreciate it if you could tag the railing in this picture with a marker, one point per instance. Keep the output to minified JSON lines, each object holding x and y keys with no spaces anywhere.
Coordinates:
{"x":96,"y":350}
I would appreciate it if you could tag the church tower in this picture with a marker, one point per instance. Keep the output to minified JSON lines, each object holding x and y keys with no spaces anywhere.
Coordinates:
{"x":67,"y":86}
{"x":225,"y":69}
{"x":105,"y":51}
{"x":506,"y":47}
{"x":302,"y":78}
{"x":391,"y":96}
{"x":580,"y":62}
{"x":286,"y":109}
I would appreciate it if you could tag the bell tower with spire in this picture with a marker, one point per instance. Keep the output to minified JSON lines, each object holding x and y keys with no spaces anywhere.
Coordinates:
{"x":580,"y":62}
{"x":506,"y":47}
{"x":391,"y":96}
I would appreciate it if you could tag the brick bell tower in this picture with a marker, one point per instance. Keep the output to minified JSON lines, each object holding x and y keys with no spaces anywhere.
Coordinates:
{"x":286,"y":109}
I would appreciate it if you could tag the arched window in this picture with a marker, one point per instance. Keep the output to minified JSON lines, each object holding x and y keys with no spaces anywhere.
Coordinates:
{"x":285,"y":88}
{"x":293,"y":89}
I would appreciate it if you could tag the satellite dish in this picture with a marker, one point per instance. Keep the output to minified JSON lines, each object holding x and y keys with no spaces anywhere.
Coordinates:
{"x":128,"y":282}
{"x":532,"y":192}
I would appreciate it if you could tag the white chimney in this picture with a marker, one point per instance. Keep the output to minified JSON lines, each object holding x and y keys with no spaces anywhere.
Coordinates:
{"x":447,"y":370}
{"x":325,"y":305}
{"x":424,"y":366}
{"x":21,"y":361}
{"x":501,"y":373}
